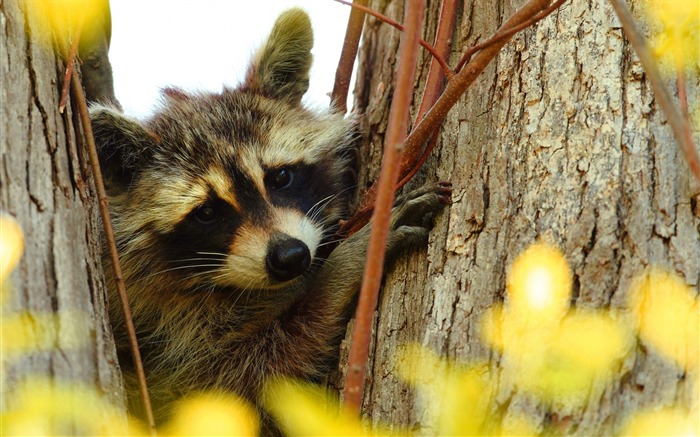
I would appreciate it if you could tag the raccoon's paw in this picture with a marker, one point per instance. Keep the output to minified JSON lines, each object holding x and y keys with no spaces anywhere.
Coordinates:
{"x":411,"y":218}
{"x":405,"y":237}
{"x":416,"y":208}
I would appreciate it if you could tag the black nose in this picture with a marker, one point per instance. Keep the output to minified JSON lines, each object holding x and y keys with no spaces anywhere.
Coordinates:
{"x":287,"y":258}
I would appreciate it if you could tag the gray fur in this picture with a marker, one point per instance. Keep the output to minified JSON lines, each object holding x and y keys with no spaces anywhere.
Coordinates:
{"x":197,"y":330}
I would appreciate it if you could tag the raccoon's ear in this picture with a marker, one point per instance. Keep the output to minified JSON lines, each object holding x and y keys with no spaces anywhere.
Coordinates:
{"x":280,"y":69}
{"x":123,"y":144}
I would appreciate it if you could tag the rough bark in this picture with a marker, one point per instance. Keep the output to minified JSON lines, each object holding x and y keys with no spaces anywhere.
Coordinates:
{"x":46,"y":186}
{"x":559,"y":139}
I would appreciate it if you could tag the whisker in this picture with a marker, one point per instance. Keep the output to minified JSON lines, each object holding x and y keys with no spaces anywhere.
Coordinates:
{"x":194,"y":275}
{"x":246,"y":290}
{"x":323,"y":262}
{"x":321,"y":204}
{"x":193,"y":259}
{"x":213,"y":253}
{"x":311,"y":211}
{"x":191,"y":266}
{"x":326,"y":243}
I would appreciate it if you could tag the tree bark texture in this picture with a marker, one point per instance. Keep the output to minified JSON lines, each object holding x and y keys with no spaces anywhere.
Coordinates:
{"x":46,"y":185}
{"x":561,"y":139}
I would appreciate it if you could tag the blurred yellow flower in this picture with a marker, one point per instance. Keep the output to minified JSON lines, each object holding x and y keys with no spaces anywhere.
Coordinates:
{"x":11,"y":245}
{"x":668,"y":316}
{"x":548,"y":350}
{"x":539,"y":284}
{"x":457,"y":397}
{"x":664,"y":422}
{"x":212,"y":414}
{"x":48,"y":407}
{"x":302,"y":409}
{"x":30,"y":331}
{"x":62,"y":17}
{"x":679,"y":38}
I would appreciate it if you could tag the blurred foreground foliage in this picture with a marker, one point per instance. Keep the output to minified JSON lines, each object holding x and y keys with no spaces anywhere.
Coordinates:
{"x":549,"y":349}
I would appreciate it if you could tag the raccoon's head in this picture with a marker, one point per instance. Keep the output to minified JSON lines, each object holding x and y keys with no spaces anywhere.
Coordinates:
{"x":232,"y":189}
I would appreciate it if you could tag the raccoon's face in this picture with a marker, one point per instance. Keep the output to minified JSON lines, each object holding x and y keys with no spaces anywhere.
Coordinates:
{"x":237,"y":189}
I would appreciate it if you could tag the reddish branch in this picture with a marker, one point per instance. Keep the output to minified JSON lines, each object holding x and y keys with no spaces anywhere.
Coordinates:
{"x":433,"y":86}
{"x":440,"y":59}
{"x":679,"y":124}
{"x":70,"y":63}
{"x":414,"y":157}
{"x":457,"y":86}
{"x":109,"y":238}
{"x":339,"y":96}
{"x":396,"y":133}
{"x":506,"y":33}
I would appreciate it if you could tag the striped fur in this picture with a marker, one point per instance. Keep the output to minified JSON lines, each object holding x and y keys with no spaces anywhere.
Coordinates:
{"x":208,"y":309}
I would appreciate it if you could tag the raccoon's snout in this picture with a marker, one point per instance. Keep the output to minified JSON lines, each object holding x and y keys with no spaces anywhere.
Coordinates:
{"x":287,"y":258}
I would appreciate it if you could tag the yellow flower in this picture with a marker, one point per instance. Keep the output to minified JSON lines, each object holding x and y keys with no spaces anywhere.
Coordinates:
{"x":585,"y":348}
{"x":212,"y":414}
{"x":62,"y":17}
{"x":11,"y":245}
{"x":457,"y":397}
{"x":668,"y":316}
{"x":539,"y":284}
{"x":679,"y":38}
{"x":30,"y":331}
{"x":302,"y":409}
{"x":48,"y":407}
{"x":666,"y":422}
{"x":548,"y":350}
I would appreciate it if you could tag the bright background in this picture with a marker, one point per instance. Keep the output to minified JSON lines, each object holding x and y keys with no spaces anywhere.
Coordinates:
{"x":204,"y":44}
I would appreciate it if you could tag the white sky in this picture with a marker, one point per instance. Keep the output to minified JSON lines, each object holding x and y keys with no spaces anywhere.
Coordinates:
{"x":204,"y":44}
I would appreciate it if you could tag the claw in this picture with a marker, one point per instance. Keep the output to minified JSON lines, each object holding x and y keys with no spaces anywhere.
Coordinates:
{"x":444,"y":192}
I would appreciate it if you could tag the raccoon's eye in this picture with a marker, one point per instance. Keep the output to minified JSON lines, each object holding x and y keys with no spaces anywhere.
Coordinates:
{"x":205,"y":214}
{"x":280,"y":178}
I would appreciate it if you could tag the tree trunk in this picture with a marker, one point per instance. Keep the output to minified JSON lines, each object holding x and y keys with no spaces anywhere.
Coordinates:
{"x":57,"y":289}
{"x":559,"y":139}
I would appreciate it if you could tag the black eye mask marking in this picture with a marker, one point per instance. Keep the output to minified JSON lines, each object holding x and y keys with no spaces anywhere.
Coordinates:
{"x":201,"y":240}
{"x":309,"y":188}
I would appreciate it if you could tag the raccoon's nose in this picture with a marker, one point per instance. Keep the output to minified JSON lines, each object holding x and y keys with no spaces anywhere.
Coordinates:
{"x":287,"y":258}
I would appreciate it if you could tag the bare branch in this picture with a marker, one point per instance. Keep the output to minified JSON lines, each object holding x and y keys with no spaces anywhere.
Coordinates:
{"x":507,"y":33}
{"x":110,"y":240}
{"x":70,"y":63}
{"x":393,"y":146}
{"x":457,"y":86}
{"x":433,"y":86}
{"x":679,"y":124}
{"x":343,"y":73}
{"x":440,"y":59}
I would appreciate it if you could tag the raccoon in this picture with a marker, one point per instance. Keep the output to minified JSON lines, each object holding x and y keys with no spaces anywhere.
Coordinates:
{"x":223,"y":205}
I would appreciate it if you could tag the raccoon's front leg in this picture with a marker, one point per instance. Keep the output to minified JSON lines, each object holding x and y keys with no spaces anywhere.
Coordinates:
{"x":411,"y":220}
{"x":320,"y":316}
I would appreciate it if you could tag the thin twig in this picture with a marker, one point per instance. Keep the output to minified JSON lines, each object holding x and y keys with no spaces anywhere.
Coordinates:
{"x":70,"y":62}
{"x":343,"y":74}
{"x":454,"y":90}
{"x":433,"y":51}
{"x":420,"y":161}
{"x":507,"y":33}
{"x":433,"y":86}
{"x":412,"y":156}
{"x":682,"y":93}
{"x":111,"y":245}
{"x":396,"y":132}
{"x":679,"y":124}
